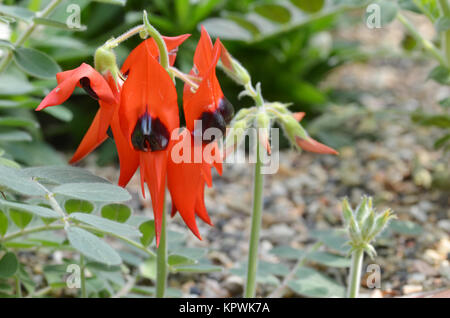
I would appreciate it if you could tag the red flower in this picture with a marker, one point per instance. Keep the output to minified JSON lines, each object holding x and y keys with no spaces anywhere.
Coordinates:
{"x":148,"y":114}
{"x":208,"y":106}
{"x":98,"y":87}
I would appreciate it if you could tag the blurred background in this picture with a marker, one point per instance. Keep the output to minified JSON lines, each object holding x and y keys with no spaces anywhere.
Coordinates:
{"x":367,"y":92}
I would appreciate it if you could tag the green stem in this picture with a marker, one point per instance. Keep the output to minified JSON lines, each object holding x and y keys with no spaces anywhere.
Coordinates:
{"x":161,"y":260}
{"x":445,"y":10}
{"x":355,"y":273}
{"x":24,"y":36}
{"x":18,"y":288}
{"x":83,"y":276}
{"x":121,"y":38}
{"x":256,"y":226}
{"x":428,"y":45}
{"x":163,"y":53}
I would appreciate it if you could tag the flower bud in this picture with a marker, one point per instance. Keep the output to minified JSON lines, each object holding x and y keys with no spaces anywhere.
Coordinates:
{"x":235,"y":135}
{"x":347,"y":211}
{"x":105,"y":61}
{"x":292,"y":128}
{"x":381,"y":221}
{"x":233,"y":68}
{"x":363,"y":209}
{"x":263,"y":123}
{"x":368,"y":225}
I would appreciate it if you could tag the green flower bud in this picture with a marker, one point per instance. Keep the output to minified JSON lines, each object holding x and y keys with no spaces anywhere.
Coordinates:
{"x":105,"y":61}
{"x":347,"y":212}
{"x":292,"y":128}
{"x":381,"y":221}
{"x":368,"y":225}
{"x":363,"y":210}
{"x":233,"y":68}
{"x":235,"y":135}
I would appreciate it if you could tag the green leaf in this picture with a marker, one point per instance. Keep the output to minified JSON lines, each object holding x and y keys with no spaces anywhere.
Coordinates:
{"x":226,"y":29}
{"x":14,"y":82}
{"x":440,"y":74}
{"x":20,"y":218}
{"x":6,"y":44}
{"x":116,"y":212}
{"x":36,"y":210}
{"x":443,"y":24}
{"x":274,"y":12}
{"x":73,"y":205}
{"x":445,"y":102}
{"x":287,"y":252}
{"x":148,"y":232}
{"x":407,"y":228}
{"x":97,"y":192}
{"x":328,"y":259}
{"x":60,"y":175}
{"x":57,"y":24}
{"x":106,"y":225}
{"x":36,"y":63}
{"x":311,"y":283}
{"x":308,"y":5}
{"x":8,"y":265}
{"x":177,"y":260}
{"x":442,"y":141}
{"x":18,"y":122}
{"x":441,"y":121}
{"x":15,"y":135}
{"x":17,"y":12}
{"x":14,"y":180}
{"x":9,"y":163}
{"x":62,"y":113}
{"x":198,"y":268}
{"x":148,"y":268}
{"x":3,"y":223}
{"x":388,"y":11}
{"x":116,"y":2}
{"x":91,"y":246}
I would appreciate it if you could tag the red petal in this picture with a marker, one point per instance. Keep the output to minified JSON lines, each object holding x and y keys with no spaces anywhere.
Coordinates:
{"x":184,"y":180}
{"x":128,"y":157}
{"x":153,"y":168}
{"x":299,"y":116}
{"x":67,"y":84}
{"x":148,"y":88}
{"x":209,"y":93}
{"x":314,"y":146}
{"x":172,"y":44}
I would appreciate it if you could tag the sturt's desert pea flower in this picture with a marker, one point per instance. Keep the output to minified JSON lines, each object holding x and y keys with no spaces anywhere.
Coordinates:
{"x":148,"y":115}
{"x":204,"y":105}
{"x":97,"y":86}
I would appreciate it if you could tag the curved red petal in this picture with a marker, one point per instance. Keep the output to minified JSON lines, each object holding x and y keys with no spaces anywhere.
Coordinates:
{"x":312,"y":145}
{"x":67,"y":82}
{"x":172,"y":44}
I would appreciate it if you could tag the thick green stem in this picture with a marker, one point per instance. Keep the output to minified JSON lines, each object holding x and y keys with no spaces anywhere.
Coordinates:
{"x":24,"y":36}
{"x":83,"y":276}
{"x":256,"y":226}
{"x":427,"y":45}
{"x":161,"y":260}
{"x":163,"y":53}
{"x":355,"y":273}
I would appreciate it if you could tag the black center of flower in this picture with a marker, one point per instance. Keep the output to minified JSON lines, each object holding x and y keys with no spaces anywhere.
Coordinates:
{"x":211,"y":120}
{"x":86,"y":85}
{"x":149,"y":134}
{"x":226,"y":109}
